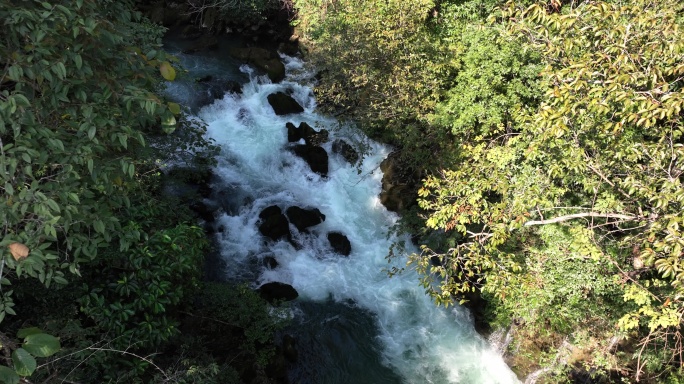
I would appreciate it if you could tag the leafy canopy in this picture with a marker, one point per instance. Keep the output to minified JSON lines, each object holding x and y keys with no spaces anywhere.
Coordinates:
{"x":76,"y":98}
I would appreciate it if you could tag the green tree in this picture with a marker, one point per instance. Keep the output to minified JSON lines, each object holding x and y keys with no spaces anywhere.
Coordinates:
{"x":600,"y":158}
{"x":381,"y":67}
{"x":76,"y":99}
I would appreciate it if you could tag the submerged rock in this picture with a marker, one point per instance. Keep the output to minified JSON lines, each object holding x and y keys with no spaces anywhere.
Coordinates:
{"x":283,"y":104}
{"x":270,"y":262}
{"x":277,"y":291}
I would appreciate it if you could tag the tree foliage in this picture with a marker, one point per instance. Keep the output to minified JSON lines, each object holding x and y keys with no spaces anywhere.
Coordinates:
{"x":380,"y":66}
{"x":552,"y":136}
{"x":601,"y":157}
{"x":77,"y":96}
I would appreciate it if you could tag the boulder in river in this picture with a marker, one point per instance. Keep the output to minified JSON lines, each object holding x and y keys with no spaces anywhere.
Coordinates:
{"x":274,"y":224}
{"x":284,"y":104}
{"x":304,"y":218}
{"x":270,"y":211}
{"x":277,"y":291}
{"x":306,"y":132}
{"x":293,"y":133}
{"x":315,"y":156}
{"x":339,"y":243}
{"x":267,"y":61}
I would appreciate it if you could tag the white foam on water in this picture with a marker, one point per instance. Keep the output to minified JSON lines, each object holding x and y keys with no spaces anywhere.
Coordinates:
{"x":421,"y":342}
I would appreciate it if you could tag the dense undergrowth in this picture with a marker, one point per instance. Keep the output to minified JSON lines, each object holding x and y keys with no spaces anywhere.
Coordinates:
{"x":101,"y":270}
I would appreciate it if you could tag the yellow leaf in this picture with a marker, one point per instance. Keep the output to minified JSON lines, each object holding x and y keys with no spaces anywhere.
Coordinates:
{"x":167,"y":71}
{"x":19,"y":251}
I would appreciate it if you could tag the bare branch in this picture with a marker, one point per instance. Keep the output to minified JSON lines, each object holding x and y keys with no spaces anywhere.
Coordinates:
{"x":559,"y":219}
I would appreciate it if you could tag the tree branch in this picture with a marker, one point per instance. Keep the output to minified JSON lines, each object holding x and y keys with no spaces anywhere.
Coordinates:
{"x":581,"y":215}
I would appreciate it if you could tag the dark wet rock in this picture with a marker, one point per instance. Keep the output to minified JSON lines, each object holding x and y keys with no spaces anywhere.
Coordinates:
{"x":275,"y":369}
{"x":274,"y":224}
{"x":277,"y":291}
{"x":399,"y":184}
{"x":270,"y":262}
{"x":204,"y":43}
{"x":274,"y":68}
{"x":315,"y":156}
{"x":270,"y":211}
{"x":197,"y":180}
{"x":210,"y":89}
{"x":233,"y":86}
{"x":339,"y":243}
{"x":290,"y":47}
{"x":311,"y":136}
{"x":205,"y":79}
{"x":205,"y":211}
{"x":344,"y":149}
{"x":229,"y":198}
{"x":304,"y":218}
{"x":293,"y":133}
{"x":191,"y":32}
{"x":252,"y":53}
{"x":396,"y":198}
{"x":283,"y":104}
{"x":264,"y":59}
{"x":290,"y":348}
{"x":306,"y":132}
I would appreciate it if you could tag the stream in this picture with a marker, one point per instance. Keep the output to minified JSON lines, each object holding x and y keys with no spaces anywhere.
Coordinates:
{"x":351,"y":322}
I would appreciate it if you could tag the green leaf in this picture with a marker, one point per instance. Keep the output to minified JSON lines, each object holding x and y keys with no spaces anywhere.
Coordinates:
{"x":8,"y":376}
{"x":53,"y":205}
{"x":42,"y":345}
{"x":91,"y":132}
{"x":22,"y":333}
{"x":24,"y":363}
{"x":99,"y":226}
{"x":169,"y":124}
{"x":167,"y":71}
{"x":174,"y":108}
{"x":73,"y":196}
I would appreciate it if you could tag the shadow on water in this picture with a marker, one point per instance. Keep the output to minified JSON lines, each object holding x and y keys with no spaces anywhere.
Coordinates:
{"x":336,"y":343}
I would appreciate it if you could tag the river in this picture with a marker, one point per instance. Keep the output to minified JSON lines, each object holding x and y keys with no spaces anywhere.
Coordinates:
{"x":352,"y":323}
